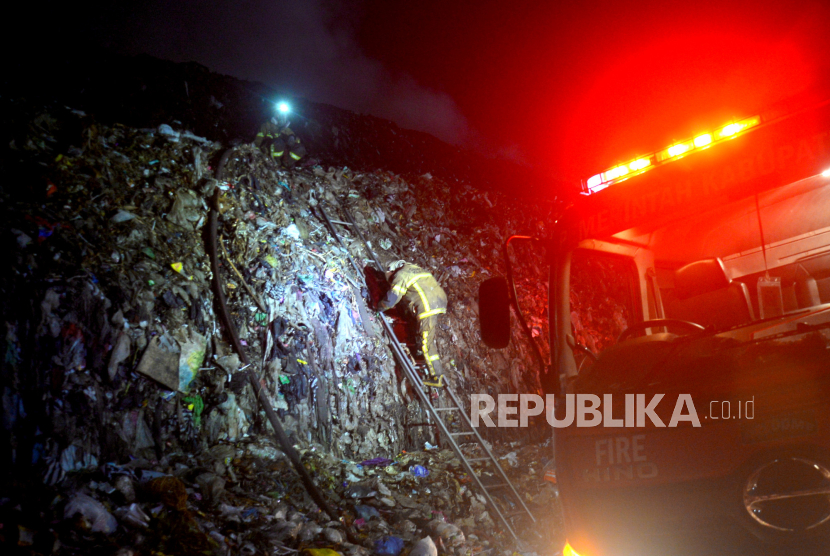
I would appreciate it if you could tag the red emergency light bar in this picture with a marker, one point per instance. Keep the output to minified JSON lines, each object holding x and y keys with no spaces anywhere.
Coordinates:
{"x":673,"y":152}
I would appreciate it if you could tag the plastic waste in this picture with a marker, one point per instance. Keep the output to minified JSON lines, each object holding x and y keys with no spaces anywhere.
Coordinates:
{"x":266,"y":452}
{"x":168,"y":131}
{"x":292,"y":231}
{"x":419,"y":470}
{"x":133,"y":516}
{"x":124,"y":485}
{"x":424,"y":547}
{"x":147,"y":475}
{"x":195,"y":404}
{"x":122,"y":216}
{"x":94,"y":515}
{"x":388,"y":546}
{"x":362,"y":490}
{"x":333,"y":535}
{"x":120,"y":353}
{"x":131,"y":203}
{"x":449,"y":533}
{"x":75,"y":458}
{"x":366,"y":512}
{"x":512,"y":459}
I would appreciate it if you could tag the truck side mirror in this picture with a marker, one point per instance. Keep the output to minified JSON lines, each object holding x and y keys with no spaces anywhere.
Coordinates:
{"x":494,"y":312}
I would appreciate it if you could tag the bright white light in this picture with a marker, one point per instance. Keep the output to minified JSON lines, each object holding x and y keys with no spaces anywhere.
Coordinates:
{"x":617,"y":172}
{"x":283,"y":107}
{"x":826,"y":173}
{"x":594,"y":181}
{"x":677,"y":150}
{"x":730,"y":130}
{"x":703,"y":140}
{"x":639,"y":164}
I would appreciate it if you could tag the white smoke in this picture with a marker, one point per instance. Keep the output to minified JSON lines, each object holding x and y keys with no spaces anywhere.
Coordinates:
{"x":307,"y":48}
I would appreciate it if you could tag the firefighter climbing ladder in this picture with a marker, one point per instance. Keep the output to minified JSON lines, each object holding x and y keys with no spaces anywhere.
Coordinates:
{"x":409,"y":369}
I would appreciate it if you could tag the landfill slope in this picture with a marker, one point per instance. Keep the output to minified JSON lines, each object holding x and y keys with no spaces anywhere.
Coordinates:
{"x":143,"y":91}
{"x":127,"y":416}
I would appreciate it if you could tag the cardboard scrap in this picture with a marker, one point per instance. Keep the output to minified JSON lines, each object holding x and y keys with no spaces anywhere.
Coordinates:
{"x":174,"y":360}
{"x":161,"y":361}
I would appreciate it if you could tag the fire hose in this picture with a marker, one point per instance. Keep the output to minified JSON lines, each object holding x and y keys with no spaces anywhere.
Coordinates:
{"x":230,"y":328}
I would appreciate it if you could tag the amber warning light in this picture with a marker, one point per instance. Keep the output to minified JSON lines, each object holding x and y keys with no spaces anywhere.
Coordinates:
{"x":569,"y":551}
{"x":676,"y":151}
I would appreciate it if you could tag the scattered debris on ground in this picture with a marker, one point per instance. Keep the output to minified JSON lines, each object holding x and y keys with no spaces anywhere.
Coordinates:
{"x":126,"y":405}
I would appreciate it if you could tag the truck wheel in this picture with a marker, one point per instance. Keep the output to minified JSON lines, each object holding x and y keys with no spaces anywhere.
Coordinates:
{"x":786,"y":497}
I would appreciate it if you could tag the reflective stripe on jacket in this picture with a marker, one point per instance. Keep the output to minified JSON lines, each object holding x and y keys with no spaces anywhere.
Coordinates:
{"x":423,"y":293}
{"x":268,"y":130}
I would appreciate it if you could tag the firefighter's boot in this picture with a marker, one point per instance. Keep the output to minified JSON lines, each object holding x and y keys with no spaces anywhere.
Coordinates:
{"x":435,"y":381}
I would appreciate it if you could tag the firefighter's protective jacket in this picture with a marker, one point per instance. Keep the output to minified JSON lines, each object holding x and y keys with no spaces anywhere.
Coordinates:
{"x":427,"y":300}
{"x":268,"y":130}
{"x":420,"y":289}
{"x":269,"y":139}
{"x":276,"y":141}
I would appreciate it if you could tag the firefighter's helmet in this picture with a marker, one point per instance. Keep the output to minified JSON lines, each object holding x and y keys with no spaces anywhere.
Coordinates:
{"x":396,"y":265}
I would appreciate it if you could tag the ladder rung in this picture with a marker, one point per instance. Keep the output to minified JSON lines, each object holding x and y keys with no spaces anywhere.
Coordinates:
{"x":515,"y":514}
{"x":403,"y":356}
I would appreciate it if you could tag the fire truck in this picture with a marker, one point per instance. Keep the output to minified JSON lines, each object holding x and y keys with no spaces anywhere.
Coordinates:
{"x":698,"y":276}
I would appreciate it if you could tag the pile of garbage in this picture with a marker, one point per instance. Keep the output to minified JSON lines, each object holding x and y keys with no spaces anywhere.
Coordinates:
{"x":124,"y":400}
{"x":242,"y":499}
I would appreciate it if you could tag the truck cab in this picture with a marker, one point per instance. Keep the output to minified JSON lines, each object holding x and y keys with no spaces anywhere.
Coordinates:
{"x":699,"y":276}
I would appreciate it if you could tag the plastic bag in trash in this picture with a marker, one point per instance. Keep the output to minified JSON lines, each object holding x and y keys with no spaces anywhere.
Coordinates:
{"x":449,"y":533}
{"x":168,"y":131}
{"x":193,"y":348}
{"x":94,"y":515}
{"x":366,"y":512}
{"x":424,"y":547}
{"x":366,"y":489}
{"x":419,"y":470}
{"x":512,"y":459}
{"x":388,"y":546}
{"x":292,"y":231}
{"x":133,"y":515}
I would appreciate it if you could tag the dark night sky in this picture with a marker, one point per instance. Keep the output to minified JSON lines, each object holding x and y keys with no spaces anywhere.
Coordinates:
{"x":571,"y":87}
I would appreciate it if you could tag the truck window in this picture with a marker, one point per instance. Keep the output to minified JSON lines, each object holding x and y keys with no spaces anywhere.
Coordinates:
{"x":796,"y":254}
{"x":604,"y":294}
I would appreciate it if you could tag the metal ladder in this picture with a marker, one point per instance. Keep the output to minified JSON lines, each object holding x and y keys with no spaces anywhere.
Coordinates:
{"x":435,"y":412}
